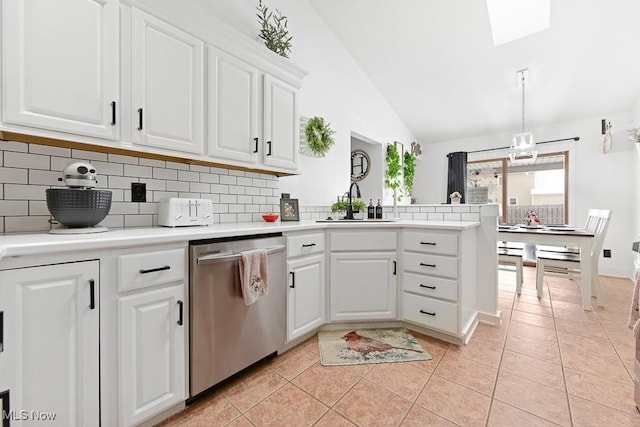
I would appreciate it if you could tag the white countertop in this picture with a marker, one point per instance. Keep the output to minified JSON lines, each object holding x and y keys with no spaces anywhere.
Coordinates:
{"x":42,"y":243}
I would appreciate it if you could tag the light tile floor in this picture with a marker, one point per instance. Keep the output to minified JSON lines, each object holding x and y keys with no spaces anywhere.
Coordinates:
{"x":551,"y":363}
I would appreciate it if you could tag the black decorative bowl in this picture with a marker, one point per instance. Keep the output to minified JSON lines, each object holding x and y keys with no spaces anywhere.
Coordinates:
{"x":78,"y":207}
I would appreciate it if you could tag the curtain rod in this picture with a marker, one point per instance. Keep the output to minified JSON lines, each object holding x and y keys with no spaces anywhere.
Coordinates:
{"x":575,"y":138}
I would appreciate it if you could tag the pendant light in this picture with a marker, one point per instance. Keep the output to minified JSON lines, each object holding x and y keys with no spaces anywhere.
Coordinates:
{"x":523,"y":145}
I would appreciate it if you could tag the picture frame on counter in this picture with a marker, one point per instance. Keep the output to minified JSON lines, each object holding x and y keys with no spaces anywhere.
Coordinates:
{"x":289,"y":210}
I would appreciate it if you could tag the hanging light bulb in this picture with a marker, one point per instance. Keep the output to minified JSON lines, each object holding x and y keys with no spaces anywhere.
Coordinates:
{"x":523,"y":145}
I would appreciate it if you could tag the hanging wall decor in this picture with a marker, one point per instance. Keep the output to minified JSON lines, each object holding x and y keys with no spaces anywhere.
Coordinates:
{"x":316,"y":136}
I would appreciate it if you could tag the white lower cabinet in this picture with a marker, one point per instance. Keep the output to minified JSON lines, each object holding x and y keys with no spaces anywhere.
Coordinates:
{"x":49,"y":347}
{"x":306,"y":276}
{"x":152,"y":317}
{"x":305,"y":298}
{"x":363,"y":275}
{"x":151,"y":352}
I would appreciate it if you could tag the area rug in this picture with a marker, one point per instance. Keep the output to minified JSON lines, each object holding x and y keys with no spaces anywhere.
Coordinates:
{"x":361,"y":346}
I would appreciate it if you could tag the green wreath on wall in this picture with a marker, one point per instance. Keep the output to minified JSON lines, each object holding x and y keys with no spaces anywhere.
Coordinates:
{"x":319,"y":136}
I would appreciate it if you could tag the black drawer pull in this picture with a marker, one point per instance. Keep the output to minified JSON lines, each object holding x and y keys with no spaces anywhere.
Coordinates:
{"x":92,"y":294}
{"x":426,"y":312}
{"x":139,"y":118}
{"x":308,"y":245}
{"x":395,"y":265}
{"x":1,"y":331}
{"x":428,"y":243}
{"x":293,"y":279}
{"x":427,"y":286}
{"x":256,"y":141}
{"x":113,"y":113}
{"x":153,"y":270}
{"x":427,"y":265}
{"x":180,"y":312}
{"x":269,"y":147}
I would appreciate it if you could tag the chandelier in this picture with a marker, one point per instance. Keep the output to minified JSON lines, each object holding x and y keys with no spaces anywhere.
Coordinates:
{"x":523,"y":145}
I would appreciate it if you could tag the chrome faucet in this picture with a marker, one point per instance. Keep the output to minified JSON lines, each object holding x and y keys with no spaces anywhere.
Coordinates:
{"x":358,"y":195}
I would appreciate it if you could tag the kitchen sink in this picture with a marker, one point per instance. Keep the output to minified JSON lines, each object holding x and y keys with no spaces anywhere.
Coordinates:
{"x":356,"y":221}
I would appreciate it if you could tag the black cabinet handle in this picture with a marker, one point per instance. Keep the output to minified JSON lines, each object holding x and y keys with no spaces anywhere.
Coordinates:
{"x":427,"y":286}
{"x":428,"y":243}
{"x":92,"y":294}
{"x":153,"y":270}
{"x":426,"y":312}
{"x":256,"y":141}
{"x":113,"y":113}
{"x":427,"y":265}
{"x":269,"y":148}
{"x":308,"y":245}
{"x":395,"y":265}
{"x":6,"y":419}
{"x":180,"y":312}
{"x":293,"y":279}
{"x":1,"y":331}
{"x":139,"y":118}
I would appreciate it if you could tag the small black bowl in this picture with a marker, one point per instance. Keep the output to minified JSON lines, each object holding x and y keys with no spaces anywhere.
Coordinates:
{"x":78,"y":207}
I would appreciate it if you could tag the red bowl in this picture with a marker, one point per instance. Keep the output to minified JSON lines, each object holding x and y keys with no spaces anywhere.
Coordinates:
{"x":270,"y":217}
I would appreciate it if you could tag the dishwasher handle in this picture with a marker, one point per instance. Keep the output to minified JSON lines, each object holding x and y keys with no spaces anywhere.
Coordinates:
{"x":232,"y":256}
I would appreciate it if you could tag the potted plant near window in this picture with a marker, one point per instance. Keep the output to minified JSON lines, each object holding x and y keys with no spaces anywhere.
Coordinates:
{"x":340,"y":208}
{"x":409,"y":172}
{"x":455,"y":198}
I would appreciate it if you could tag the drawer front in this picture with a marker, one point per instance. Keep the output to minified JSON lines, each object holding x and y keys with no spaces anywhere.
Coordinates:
{"x":430,"y":312}
{"x":151,"y":268}
{"x":431,"y":243}
{"x":430,"y":264}
{"x":305,"y":244}
{"x":430,"y":286}
{"x":363,"y":240}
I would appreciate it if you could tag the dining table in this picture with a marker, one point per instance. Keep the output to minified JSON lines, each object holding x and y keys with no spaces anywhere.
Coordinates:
{"x":562,"y":236}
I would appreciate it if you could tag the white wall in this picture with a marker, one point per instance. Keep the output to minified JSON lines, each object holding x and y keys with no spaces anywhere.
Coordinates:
{"x":636,"y":175}
{"x":596,"y":179}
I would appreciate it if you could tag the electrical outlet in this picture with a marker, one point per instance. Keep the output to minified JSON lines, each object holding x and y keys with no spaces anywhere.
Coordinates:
{"x":606,"y":253}
{"x":138,"y":192}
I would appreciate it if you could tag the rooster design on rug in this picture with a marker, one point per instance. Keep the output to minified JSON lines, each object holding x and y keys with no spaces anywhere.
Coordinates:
{"x":366,"y":345}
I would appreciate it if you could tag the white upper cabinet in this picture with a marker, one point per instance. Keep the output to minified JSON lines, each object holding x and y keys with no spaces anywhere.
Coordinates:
{"x":167,"y":86}
{"x":280,"y":124}
{"x":233,"y":108}
{"x":60,"y":65}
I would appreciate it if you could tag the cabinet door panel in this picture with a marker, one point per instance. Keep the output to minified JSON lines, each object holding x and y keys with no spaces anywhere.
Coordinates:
{"x":305,"y":300}
{"x":363,"y":286}
{"x":167,"y":85}
{"x":60,"y":65}
{"x":233,"y":103}
{"x":152,"y":351}
{"x":280,"y":124}
{"x":52,"y":333}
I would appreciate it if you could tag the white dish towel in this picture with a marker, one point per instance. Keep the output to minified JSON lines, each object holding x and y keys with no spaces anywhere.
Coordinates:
{"x":253,"y":275}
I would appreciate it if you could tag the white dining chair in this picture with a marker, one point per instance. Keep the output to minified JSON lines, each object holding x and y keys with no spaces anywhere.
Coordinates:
{"x":567,"y":264}
{"x":511,"y":257}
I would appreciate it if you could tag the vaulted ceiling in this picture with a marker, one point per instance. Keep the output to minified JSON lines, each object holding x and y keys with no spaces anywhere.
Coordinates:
{"x":435,"y":62}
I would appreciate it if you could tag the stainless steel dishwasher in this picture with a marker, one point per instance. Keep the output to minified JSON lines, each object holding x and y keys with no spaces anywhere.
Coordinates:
{"x":227,"y":336}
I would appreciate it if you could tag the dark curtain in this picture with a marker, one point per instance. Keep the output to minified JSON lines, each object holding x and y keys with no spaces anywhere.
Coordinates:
{"x":457,"y":176}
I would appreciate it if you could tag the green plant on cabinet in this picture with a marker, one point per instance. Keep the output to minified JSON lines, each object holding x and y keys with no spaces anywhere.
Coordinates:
{"x":273,"y":30}
{"x":343,"y":205}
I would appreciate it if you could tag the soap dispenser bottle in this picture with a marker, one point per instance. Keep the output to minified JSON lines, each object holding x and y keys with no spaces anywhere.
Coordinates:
{"x":378,"y":210}
{"x":371,"y":210}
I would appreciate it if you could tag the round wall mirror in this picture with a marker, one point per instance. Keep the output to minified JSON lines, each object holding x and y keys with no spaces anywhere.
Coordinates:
{"x":360,"y":165}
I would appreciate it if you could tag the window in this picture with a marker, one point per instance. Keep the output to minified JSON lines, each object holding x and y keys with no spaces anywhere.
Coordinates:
{"x":541,"y":186}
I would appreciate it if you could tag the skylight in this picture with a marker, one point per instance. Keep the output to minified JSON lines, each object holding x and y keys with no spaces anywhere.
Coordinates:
{"x":513,"y":19}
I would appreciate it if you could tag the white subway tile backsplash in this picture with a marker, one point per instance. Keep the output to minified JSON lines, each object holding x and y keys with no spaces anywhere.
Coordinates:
{"x":161,"y":173}
{"x":26,"y":224}
{"x":33,"y":161}
{"x":106,"y":168}
{"x":252,"y":175}
{"x":177,"y":186}
{"x":443,"y":208}
{"x":118,"y":195}
{"x":185,"y":175}
{"x":151,"y":162}
{"x":236,"y":209}
{"x":210,"y":178}
{"x":215,"y":198}
{"x":199,"y":187}
{"x":246,"y":217}
{"x":14,"y":207}
{"x":49,"y":151}
{"x":228,"y":198}
{"x":199,"y":168}
{"x":37,"y":207}
{"x":159,"y":195}
{"x":261,"y":200}
{"x":1,"y":159}
{"x":127,"y":160}
{"x":243,"y":180}
{"x":44,"y":177}
{"x":154,"y":184}
{"x":123,"y":182}
{"x":14,"y":146}
{"x":123,"y":208}
{"x":470,"y":216}
{"x":261,"y":183}
{"x":245,"y":200}
{"x":228,"y":179}
{"x":252,"y":191}
{"x":436,"y":216}
{"x":220,"y":208}
{"x":148,"y":208}
{"x":135,"y":170}
{"x":236,"y":189}
{"x":24,"y":192}
{"x":89,"y":155}
{"x":187,"y":195}
{"x":113,"y":221}
{"x":219,"y":171}
{"x":226,"y":218}
{"x":452,"y":216}
{"x":236,"y":172}
{"x":178,"y":166}
{"x":14,"y":175}
{"x":138,"y":220}
{"x":219,"y":189}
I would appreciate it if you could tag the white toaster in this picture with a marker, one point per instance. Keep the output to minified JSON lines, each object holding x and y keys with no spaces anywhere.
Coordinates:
{"x":177,"y":212}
